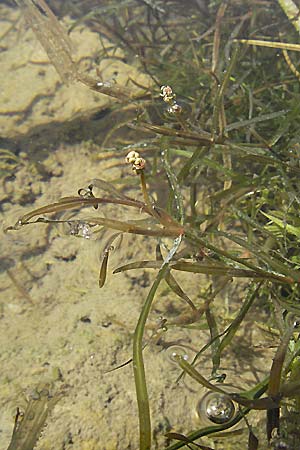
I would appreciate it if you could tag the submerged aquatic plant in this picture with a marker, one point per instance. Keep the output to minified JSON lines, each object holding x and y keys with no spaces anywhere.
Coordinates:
{"x":226,"y":145}
{"x":30,"y":423}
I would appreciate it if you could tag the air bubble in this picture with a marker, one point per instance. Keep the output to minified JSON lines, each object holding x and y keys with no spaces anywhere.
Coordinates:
{"x":174,"y":351}
{"x":215,"y":407}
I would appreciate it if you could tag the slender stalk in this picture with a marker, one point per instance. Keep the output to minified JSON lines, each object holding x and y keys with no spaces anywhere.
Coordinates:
{"x":138,"y":362}
{"x":292,"y":11}
{"x":271,"y":44}
{"x":144,"y":189}
{"x":175,"y":193}
{"x":273,"y":415}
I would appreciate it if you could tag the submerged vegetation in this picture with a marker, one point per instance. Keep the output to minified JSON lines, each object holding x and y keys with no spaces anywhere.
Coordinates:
{"x":219,"y":123}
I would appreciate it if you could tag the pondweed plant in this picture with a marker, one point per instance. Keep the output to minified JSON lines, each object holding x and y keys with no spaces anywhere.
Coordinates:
{"x":221,"y":126}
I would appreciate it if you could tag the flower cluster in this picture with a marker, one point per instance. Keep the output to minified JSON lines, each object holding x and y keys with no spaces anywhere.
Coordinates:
{"x":169,"y":97}
{"x":137,"y":162}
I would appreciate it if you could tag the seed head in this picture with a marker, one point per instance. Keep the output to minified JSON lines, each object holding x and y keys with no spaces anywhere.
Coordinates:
{"x":175,"y":109}
{"x":131,"y":157}
{"x":167,"y":94}
{"x":139,"y":164}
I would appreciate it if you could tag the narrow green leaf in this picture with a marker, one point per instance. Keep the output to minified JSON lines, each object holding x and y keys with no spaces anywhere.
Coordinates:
{"x":283,"y":225}
{"x":138,"y":363}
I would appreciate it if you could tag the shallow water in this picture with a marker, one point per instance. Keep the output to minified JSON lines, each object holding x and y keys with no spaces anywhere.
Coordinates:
{"x":56,"y":324}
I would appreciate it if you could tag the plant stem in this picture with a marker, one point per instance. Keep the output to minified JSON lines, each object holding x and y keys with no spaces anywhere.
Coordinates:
{"x":138,"y":363}
{"x":144,"y":189}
